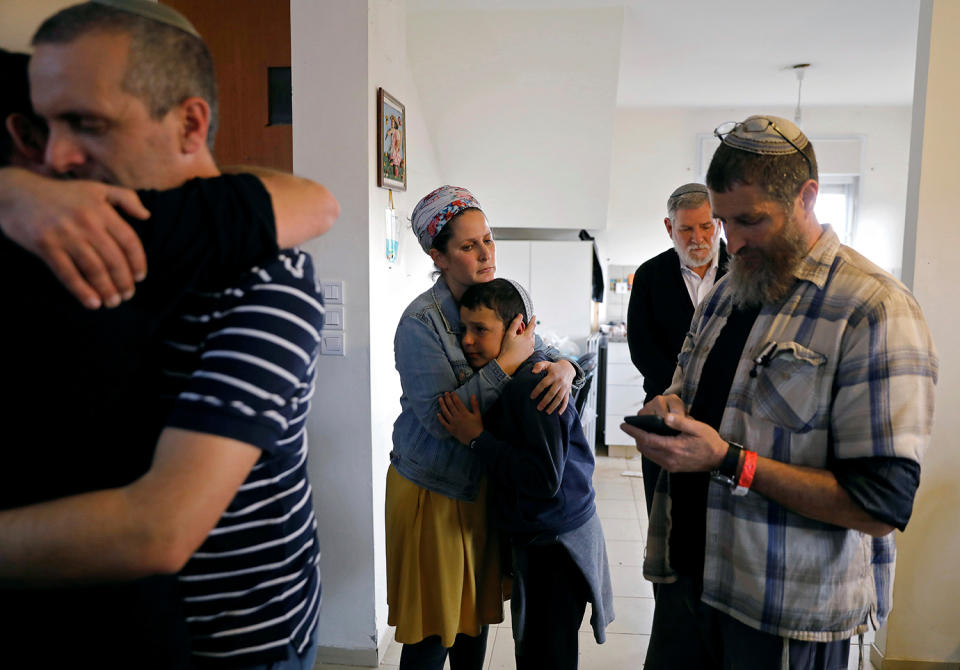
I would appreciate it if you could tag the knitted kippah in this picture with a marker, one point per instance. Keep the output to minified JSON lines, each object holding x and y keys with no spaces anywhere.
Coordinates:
{"x":692,"y":187}
{"x":153,"y":11}
{"x":758,"y":135}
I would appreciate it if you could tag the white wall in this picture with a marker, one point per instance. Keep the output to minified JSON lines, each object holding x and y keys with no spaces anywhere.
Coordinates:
{"x":392,"y":287}
{"x":341,"y":51}
{"x":330,"y":139}
{"x":656,"y":150}
{"x":925,"y":622}
{"x":520,"y":105}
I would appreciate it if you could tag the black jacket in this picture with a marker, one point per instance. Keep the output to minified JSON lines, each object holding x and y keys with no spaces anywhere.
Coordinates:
{"x":540,"y":465}
{"x":659,"y":316}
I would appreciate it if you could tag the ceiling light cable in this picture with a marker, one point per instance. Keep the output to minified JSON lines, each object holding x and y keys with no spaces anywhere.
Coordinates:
{"x":799,"y":70}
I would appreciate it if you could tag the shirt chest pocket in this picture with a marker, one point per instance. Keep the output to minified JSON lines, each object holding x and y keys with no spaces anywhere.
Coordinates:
{"x":789,"y":389}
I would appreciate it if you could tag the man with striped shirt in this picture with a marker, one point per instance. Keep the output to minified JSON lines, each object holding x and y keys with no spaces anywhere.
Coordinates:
{"x":805,"y":404}
{"x":249,"y":356}
{"x":229,"y":472}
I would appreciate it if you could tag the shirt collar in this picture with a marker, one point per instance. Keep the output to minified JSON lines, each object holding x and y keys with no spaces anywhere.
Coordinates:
{"x":446,"y":305}
{"x":815,"y":266}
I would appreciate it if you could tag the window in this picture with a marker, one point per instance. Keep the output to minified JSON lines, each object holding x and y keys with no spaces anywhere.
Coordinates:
{"x":837,"y":205}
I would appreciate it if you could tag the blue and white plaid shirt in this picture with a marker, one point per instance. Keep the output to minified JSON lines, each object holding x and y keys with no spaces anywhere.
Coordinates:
{"x":853,"y":376}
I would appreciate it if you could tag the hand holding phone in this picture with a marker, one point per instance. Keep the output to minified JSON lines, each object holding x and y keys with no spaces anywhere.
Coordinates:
{"x":652,"y":423}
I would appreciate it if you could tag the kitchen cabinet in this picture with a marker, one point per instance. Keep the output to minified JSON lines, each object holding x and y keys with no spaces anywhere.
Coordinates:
{"x":624,"y":394}
{"x":559,"y":277}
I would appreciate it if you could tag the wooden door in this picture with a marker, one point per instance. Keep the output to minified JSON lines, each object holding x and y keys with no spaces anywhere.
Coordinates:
{"x":246,"y":38}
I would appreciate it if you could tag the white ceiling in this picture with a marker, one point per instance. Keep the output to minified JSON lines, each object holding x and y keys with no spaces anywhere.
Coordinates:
{"x":736,"y":53}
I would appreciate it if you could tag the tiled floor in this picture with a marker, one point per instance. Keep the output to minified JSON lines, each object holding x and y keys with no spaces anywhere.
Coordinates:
{"x":624,"y":517}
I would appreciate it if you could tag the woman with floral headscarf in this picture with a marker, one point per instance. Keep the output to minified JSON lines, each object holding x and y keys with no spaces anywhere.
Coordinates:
{"x":443,"y":566}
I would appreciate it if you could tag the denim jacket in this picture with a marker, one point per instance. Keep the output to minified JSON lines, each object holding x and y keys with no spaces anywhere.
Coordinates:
{"x":430,"y":362}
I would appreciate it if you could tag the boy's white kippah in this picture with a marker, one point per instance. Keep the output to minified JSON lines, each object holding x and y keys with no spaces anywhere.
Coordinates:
{"x":527,"y":302}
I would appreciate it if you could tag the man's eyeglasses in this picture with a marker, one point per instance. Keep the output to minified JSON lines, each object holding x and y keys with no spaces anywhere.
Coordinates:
{"x":759,"y":126}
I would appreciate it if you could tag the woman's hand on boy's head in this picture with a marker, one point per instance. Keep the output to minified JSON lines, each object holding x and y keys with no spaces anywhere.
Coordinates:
{"x":463,"y":424}
{"x":516,"y":346}
{"x":557,"y":383}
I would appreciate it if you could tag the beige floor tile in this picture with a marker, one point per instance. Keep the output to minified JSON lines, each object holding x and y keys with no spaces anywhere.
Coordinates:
{"x":614,"y":490}
{"x":641,"y":505}
{"x":392,"y":655}
{"x":491,"y":641}
{"x":507,"y":621}
{"x":634,"y":616}
{"x":628,"y":582}
{"x":622,"y":450}
{"x":634,"y":463}
{"x":619,"y":651}
{"x":501,"y":656}
{"x":623,"y":529}
{"x":624,"y":552}
{"x":600,"y":476}
{"x":610,"y":463}
{"x":617,"y":509}
{"x":637,"y":485}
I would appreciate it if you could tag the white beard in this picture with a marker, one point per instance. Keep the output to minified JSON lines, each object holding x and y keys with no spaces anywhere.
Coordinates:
{"x":689,"y":260}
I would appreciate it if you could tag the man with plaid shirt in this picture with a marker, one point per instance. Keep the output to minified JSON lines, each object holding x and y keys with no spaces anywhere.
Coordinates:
{"x":804,"y":400}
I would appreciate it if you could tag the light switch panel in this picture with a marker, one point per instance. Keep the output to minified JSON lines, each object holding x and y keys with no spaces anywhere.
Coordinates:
{"x":332,"y":344}
{"x":333,"y":317}
{"x":332,"y":292}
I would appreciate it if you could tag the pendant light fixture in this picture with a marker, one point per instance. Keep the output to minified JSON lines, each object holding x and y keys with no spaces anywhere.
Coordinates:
{"x":799,"y":69}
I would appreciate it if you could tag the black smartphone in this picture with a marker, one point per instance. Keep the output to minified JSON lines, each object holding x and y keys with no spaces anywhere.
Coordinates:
{"x":652,"y":423}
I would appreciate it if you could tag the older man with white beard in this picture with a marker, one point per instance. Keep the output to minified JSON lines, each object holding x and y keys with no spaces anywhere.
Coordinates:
{"x":666,"y":290}
{"x":805,"y":404}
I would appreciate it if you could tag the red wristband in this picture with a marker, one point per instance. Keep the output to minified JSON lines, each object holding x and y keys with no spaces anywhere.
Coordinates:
{"x":746,"y":473}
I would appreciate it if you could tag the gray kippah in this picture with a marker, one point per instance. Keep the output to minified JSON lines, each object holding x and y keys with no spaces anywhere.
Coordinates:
{"x":757,"y":135}
{"x":692,"y":187}
{"x":153,"y":11}
{"x":527,"y":302}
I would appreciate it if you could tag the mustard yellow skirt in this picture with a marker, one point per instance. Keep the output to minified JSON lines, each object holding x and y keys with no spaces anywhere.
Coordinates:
{"x":443,"y":566}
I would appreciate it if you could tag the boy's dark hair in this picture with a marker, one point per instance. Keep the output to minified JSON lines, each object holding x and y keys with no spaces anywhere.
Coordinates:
{"x":500,"y":295}
{"x":780,"y":176}
{"x":14,"y":96}
{"x":166,"y":65}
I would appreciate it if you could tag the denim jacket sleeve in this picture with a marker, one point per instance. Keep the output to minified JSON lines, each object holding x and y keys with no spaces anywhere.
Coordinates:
{"x":431,"y":363}
{"x":554,"y":355}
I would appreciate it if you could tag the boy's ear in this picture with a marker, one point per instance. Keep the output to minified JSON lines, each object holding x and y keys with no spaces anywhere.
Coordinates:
{"x":522,"y":327}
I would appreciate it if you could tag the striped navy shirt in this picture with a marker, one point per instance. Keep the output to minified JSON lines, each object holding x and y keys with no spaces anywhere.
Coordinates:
{"x":242,"y":363}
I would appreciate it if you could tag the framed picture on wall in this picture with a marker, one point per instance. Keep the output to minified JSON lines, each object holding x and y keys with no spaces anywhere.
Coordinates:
{"x":391,"y":142}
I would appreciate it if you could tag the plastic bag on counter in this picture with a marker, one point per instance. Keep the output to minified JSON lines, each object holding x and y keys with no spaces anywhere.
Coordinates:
{"x":563,"y":344}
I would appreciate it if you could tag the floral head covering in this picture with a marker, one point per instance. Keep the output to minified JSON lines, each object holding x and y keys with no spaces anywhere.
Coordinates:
{"x":436,"y":209}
